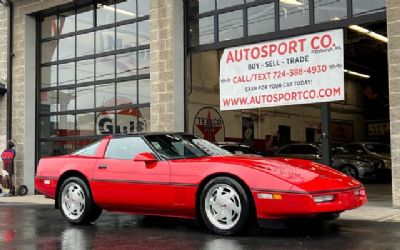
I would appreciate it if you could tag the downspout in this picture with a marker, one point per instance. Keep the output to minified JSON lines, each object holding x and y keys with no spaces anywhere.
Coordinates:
{"x":10,"y":56}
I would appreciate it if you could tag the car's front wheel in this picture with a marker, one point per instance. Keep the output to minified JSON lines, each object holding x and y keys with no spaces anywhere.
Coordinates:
{"x":76,"y":203}
{"x":225,"y":207}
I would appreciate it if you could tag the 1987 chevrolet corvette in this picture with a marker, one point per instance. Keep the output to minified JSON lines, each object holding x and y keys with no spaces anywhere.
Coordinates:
{"x":180,"y":175}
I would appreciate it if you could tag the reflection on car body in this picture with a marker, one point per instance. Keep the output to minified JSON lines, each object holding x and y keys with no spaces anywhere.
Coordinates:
{"x":342,"y":160}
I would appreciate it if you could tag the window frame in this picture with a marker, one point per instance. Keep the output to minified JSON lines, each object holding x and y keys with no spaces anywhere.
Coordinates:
{"x":42,"y":113}
{"x":312,"y":27}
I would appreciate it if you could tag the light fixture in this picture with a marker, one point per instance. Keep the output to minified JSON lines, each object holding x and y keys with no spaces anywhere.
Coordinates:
{"x":357,"y":74}
{"x":368,"y":33}
{"x":123,"y":12}
{"x":292,"y":2}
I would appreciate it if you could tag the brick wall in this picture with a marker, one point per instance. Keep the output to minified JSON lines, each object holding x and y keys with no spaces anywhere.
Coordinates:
{"x":393,"y":24}
{"x":161,"y":66}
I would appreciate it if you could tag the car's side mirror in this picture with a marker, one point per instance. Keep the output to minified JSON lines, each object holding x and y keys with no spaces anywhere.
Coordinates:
{"x":145,"y":157}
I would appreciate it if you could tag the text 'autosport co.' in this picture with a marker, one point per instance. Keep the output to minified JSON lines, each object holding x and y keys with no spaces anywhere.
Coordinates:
{"x":299,"y":70}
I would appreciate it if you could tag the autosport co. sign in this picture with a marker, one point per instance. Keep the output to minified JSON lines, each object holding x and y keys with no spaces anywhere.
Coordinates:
{"x":299,"y":70}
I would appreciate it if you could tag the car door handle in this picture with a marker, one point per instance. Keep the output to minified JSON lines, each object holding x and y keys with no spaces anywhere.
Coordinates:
{"x":103,"y":166}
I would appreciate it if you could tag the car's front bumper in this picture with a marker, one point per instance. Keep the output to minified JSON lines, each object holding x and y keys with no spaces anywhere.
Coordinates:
{"x":295,"y":204}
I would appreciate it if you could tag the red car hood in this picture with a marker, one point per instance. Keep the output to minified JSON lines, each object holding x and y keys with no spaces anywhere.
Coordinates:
{"x":304,"y":175}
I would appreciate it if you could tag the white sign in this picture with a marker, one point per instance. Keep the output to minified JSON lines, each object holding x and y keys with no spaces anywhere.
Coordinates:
{"x":298,"y":70}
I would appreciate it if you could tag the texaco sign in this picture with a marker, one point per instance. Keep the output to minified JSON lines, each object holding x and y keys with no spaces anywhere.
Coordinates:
{"x":208,"y":124}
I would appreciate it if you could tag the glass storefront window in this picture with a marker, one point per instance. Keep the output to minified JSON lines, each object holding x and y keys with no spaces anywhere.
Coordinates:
{"x":261,"y":19}
{"x":49,"y":26}
{"x":66,"y":48}
{"x":48,"y":101}
{"x":105,"y":68}
{"x":85,"y":124}
{"x":126,"y":64}
{"x":144,"y":62}
{"x":132,"y":120}
{"x":330,"y":10}
{"x":66,"y":125}
{"x":105,"y":122}
{"x":144,"y":91}
{"x":202,"y":31}
{"x":85,"y":97}
{"x":49,"y":51}
{"x":143,"y":7}
{"x":105,"y":40}
{"x":228,"y":3}
{"x":105,"y":12}
{"x":63,"y":147}
{"x":66,"y":74}
{"x":67,"y":22}
{"x":49,"y":76}
{"x":238,"y":19}
{"x":230,"y":25}
{"x":78,"y":84}
{"x":66,"y":99}
{"x":48,"y":126}
{"x":363,"y":7}
{"x":85,"y":71}
{"x":83,"y":143}
{"x":201,"y":6}
{"x":144,"y":32}
{"x":84,"y":18}
{"x":293,"y":14}
{"x":105,"y":95}
{"x":126,"y":36}
{"x":126,"y":93}
{"x":85,"y":44}
{"x":126,"y":10}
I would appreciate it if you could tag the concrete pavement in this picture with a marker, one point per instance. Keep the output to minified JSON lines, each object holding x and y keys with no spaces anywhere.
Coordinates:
{"x":28,"y":199}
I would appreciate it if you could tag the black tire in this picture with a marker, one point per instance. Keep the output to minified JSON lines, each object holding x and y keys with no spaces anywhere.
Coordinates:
{"x":350,"y":171}
{"x":246,"y":212}
{"x":22,"y":190}
{"x":90,"y":211}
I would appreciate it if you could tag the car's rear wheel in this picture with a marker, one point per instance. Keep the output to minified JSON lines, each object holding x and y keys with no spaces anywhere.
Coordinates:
{"x":76,"y":203}
{"x":350,"y":171}
{"x":225,"y":207}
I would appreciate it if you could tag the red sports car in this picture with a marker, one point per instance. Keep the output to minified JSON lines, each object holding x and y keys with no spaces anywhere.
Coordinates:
{"x":180,"y":175}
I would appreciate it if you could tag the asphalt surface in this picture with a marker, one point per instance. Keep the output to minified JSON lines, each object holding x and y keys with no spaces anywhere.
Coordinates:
{"x":42,"y":227}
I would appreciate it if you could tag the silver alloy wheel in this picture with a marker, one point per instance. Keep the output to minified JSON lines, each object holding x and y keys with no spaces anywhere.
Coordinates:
{"x":73,"y":201}
{"x":349,"y":171}
{"x":222,"y":206}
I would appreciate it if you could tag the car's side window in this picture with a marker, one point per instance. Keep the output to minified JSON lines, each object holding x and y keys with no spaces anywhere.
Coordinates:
{"x":126,"y":148}
{"x":89,"y":150}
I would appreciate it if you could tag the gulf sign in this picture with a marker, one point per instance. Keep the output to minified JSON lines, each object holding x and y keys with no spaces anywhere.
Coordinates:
{"x":299,"y":70}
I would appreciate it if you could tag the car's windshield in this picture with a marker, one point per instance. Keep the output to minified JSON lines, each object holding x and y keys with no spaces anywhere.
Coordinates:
{"x":378,"y":148}
{"x":183,"y":146}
